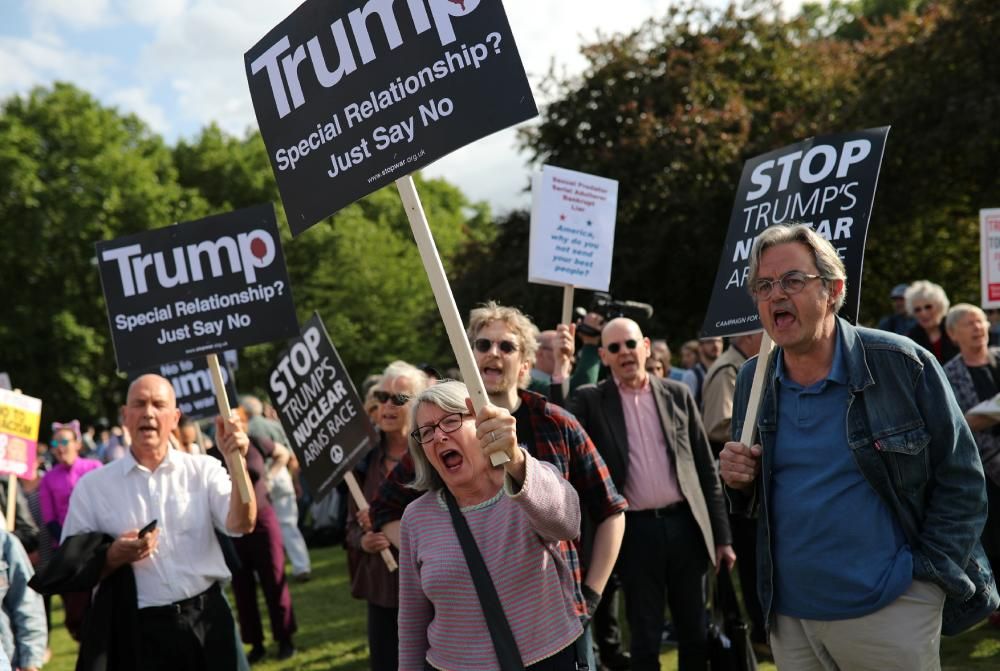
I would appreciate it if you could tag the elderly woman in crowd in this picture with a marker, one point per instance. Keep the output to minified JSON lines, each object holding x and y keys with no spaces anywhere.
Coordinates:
{"x":516,"y":514}
{"x":928,"y":303}
{"x":975,"y":377}
{"x":399,"y":384}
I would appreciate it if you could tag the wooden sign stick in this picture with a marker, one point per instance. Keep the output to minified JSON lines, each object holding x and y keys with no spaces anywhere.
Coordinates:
{"x":444,"y":298}
{"x":753,"y":405}
{"x":11,"y":501}
{"x":359,"y":500}
{"x":567,"y":316}
{"x":237,"y":466}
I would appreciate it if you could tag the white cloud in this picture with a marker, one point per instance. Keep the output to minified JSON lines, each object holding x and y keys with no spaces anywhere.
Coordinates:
{"x":136,"y":100}
{"x":74,"y":13}
{"x":26,"y":62}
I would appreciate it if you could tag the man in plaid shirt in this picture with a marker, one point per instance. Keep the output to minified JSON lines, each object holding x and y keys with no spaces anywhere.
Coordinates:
{"x":504,"y":343}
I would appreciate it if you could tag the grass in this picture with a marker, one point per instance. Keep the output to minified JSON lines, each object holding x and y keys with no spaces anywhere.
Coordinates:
{"x":332,"y":630}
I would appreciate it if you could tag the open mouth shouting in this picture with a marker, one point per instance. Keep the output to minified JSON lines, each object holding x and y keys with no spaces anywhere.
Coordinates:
{"x":451,"y":459}
{"x":783,"y":318}
{"x":492,"y":375}
{"x":148,"y":431}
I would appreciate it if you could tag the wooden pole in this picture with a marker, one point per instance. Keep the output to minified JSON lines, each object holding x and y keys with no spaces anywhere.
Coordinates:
{"x":237,"y":466}
{"x":444,"y":298}
{"x":753,"y":405}
{"x":11,"y":501}
{"x":567,"y":316}
{"x":359,"y":500}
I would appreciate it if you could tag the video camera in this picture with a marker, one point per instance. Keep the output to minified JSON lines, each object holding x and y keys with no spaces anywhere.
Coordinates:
{"x":603,"y":304}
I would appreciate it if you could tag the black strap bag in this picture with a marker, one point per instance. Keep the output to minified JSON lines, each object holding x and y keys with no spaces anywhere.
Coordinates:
{"x":729,"y":646}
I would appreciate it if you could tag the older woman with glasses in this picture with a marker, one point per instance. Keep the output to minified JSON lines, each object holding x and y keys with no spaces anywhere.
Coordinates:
{"x":517,"y":515}
{"x":975,"y":377}
{"x":928,"y":303}
{"x":370,"y":579}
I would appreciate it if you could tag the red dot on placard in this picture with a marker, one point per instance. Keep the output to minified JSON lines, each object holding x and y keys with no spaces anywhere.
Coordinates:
{"x":258,"y":248}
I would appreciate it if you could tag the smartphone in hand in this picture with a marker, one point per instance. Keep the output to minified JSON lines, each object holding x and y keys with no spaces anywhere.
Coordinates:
{"x":146,"y":529}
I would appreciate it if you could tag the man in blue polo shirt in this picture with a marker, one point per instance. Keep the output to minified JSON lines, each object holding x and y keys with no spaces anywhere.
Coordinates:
{"x":866,"y":481}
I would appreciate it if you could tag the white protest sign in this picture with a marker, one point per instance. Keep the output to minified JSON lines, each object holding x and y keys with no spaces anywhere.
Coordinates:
{"x":989,"y":236}
{"x":572,"y":229}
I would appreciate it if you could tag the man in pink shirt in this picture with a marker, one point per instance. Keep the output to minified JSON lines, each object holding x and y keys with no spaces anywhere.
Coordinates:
{"x":650,"y":434}
{"x":53,"y":498}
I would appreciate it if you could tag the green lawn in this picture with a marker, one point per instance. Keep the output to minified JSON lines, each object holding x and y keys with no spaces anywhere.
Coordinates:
{"x":332,"y":629}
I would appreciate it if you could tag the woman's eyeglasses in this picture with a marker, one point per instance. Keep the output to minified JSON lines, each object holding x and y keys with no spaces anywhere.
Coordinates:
{"x":616,"y":347}
{"x":484,"y":345}
{"x":60,"y":442}
{"x":448,"y":424}
{"x":920,"y":308}
{"x":398,"y":400}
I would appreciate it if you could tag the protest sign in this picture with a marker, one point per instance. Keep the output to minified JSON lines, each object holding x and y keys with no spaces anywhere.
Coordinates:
{"x":352,"y":95}
{"x":322,"y":414}
{"x":319,"y":408}
{"x":827,"y":182}
{"x":196,"y":288}
{"x":19,"y":419}
{"x":192,"y":383}
{"x":989,"y":236}
{"x":572,"y":229}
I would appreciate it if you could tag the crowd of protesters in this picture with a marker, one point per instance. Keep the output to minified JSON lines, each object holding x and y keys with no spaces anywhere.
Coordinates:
{"x":625,"y":478}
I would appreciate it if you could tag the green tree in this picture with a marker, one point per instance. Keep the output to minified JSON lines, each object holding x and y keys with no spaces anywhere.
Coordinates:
{"x":72,"y":172}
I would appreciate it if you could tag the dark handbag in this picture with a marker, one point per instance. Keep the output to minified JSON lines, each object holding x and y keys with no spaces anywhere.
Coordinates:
{"x":729,"y":646}
{"x":503,"y":638}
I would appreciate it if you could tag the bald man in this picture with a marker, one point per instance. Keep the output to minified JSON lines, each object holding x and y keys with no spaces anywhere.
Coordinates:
{"x":650,"y":434}
{"x":183,"y":619}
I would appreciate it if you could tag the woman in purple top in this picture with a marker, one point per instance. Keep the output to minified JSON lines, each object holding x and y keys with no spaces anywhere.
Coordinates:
{"x":53,"y":499}
{"x":517,"y":515}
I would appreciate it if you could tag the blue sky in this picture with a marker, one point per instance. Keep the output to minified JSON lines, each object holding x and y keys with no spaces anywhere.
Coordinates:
{"x":178,"y":64}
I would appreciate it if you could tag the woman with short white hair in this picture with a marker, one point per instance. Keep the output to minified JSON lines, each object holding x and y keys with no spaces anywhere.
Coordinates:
{"x":515,"y":518}
{"x":928,"y":303}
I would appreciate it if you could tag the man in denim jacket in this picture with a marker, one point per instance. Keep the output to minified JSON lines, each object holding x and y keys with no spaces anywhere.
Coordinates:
{"x":23,"y":633}
{"x":866,"y":479}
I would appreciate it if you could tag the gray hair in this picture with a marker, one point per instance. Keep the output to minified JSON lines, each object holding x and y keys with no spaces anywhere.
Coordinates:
{"x":418,"y":378}
{"x":448,"y":395}
{"x":251,"y":405}
{"x":828,"y":263}
{"x":924,"y":290}
{"x":957,"y":312}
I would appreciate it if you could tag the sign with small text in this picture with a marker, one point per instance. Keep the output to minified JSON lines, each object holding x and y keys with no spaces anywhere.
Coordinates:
{"x":20,"y":416}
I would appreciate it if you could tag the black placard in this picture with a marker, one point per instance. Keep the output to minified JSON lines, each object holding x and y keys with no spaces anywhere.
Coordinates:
{"x":319,"y":408}
{"x":352,"y":95}
{"x":196,"y":288}
{"x":192,"y":383}
{"x":827,"y":182}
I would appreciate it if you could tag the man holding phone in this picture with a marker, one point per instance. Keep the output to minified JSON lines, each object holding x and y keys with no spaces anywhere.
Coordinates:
{"x":183,"y":618}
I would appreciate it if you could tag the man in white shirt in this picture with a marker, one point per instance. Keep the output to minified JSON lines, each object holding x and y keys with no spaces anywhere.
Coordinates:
{"x":184,"y":620}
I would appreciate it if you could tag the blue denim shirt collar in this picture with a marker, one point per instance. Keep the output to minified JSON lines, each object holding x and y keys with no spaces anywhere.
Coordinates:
{"x":838,"y":369}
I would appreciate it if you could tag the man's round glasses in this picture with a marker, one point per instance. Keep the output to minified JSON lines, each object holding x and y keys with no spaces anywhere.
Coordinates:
{"x":398,"y":400}
{"x":448,"y":424}
{"x":616,"y":347}
{"x":484,"y":345}
{"x":791,"y":283}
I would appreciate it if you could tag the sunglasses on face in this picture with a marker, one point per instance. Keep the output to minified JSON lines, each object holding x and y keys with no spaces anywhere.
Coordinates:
{"x":616,"y":347}
{"x":920,"y":308}
{"x":398,"y":400}
{"x":447,"y":424}
{"x":60,"y":442}
{"x":484,"y":345}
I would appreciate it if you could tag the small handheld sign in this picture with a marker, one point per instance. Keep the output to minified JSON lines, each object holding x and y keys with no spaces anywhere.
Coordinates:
{"x":826,"y":182}
{"x":20,"y":416}
{"x":989,"y":230}
{"x":198,"y":288}
{"x":321,"y":413}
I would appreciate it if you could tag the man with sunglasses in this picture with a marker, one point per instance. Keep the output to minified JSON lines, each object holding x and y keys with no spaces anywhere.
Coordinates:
{"x":650,"y":434}
{"x":865,"y":478}
{"x":504,"y":343}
